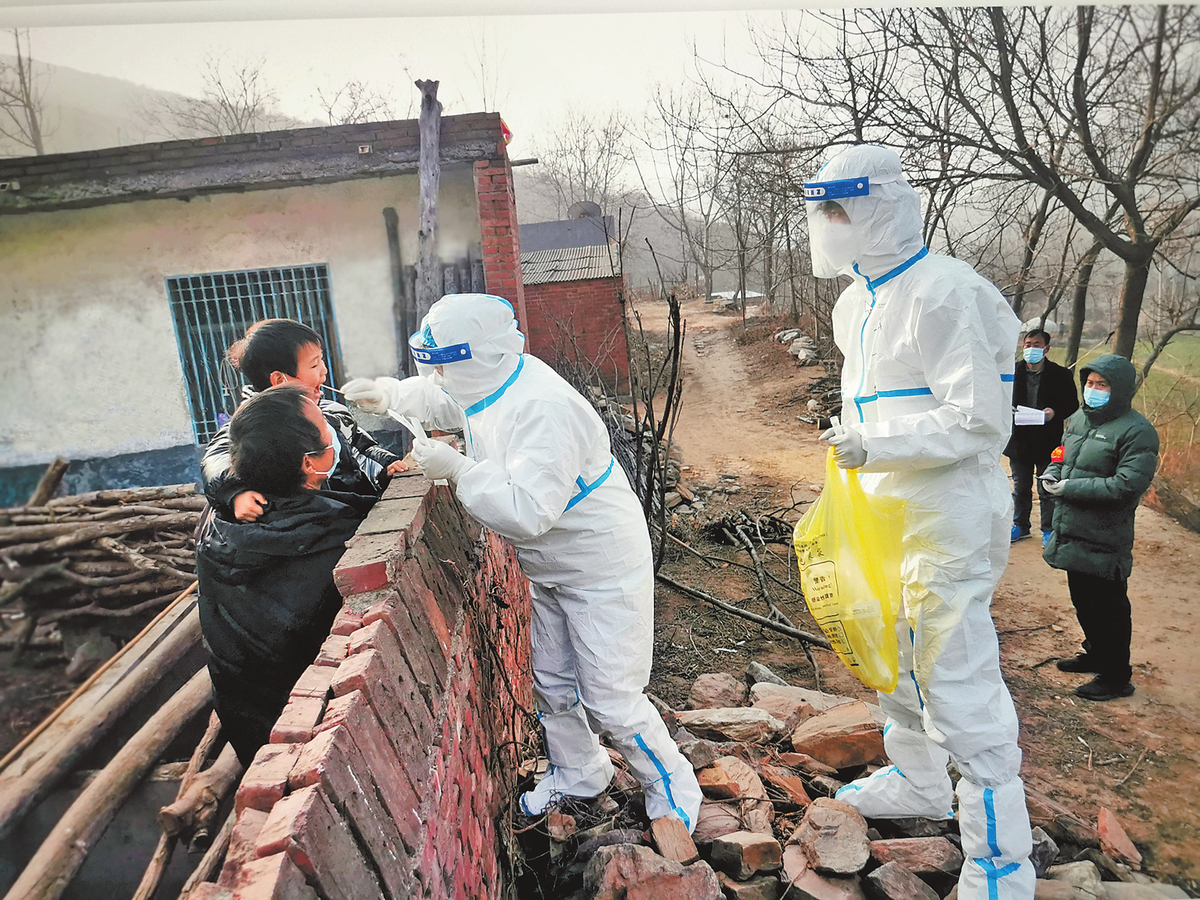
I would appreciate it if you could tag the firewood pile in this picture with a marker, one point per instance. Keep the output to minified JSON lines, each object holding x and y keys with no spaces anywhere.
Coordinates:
{"x":822,"y":399}
{"x":105,"y":553}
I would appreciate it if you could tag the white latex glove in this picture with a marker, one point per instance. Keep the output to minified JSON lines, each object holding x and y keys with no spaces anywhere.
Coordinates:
{"x":440,"y":461}
{"x":1055,"y":488}
{"x":367,"y":394}
{"x":847,"y":446}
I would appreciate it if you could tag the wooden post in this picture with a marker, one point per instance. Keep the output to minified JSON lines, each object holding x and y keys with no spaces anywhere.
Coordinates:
{"x":429,"y":277}
{"x":19,"y":793}
{"x":65,"y":849}
{"x":49,"y":482}
{"x":404,"y":308}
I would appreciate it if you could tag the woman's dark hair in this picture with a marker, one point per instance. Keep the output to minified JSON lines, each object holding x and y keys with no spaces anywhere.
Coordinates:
{"x":272,"y":345}
{"x":269,"y":437}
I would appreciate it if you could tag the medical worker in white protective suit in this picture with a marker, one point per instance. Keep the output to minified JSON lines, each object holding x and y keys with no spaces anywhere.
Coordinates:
{"x":926,"y":409}
{"x":539,"y":470}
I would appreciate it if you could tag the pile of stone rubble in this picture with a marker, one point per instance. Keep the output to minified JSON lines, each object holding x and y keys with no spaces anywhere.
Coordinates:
{"x":769,"y":757}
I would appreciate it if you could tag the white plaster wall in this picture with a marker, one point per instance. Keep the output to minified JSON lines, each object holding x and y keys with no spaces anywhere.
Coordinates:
{"x":89,"y":364}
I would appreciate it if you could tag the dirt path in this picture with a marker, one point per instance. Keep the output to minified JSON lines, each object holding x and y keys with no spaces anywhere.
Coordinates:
{"x":1135,"y":756}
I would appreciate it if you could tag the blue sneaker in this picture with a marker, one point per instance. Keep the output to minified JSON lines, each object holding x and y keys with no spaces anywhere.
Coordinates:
{"x":1045,"y":539}
{"x":1019,"y":533}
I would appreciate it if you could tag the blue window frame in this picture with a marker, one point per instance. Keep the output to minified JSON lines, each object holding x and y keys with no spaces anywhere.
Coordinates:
{"x":213,"y":310}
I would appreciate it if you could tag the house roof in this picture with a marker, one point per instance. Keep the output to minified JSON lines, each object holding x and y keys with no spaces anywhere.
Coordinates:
{"x":234,"y":163}
{"x":570,"y":264}
{"x":584,"y":232}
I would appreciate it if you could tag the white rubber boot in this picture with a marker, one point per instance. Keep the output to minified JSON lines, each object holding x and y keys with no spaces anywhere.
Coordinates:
{"x":996,"y":842}
{"x":916,"y":785}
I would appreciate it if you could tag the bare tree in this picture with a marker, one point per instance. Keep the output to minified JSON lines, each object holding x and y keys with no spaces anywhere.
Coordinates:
{"x":22,"y":98}
{"x":485,"y":67}
{"x":237,"y":99}
{"x":583,"y":159}
{"x":353,"y":102}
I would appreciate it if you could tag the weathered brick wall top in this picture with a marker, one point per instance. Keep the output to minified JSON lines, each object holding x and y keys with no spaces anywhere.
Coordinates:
{"x":183,"y":169}
{"x":391,"y":764}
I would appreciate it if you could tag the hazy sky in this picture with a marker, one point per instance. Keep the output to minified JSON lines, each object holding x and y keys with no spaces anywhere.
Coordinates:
{"x":538,"y":63}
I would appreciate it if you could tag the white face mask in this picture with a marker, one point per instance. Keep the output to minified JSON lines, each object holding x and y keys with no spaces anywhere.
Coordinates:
{"x":1096,"y":397}
{"x":328,"y":471}
{"x":1033,"y":355}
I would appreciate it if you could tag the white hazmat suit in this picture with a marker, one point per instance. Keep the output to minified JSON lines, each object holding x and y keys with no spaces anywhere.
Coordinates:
{"x":926,"y":389}
{"x":539,"y":470}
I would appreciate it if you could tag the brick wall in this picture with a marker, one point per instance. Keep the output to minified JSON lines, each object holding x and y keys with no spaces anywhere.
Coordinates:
{"x":586,"y":314}
{"x":499,"y":234}
{"x":394,"y":758}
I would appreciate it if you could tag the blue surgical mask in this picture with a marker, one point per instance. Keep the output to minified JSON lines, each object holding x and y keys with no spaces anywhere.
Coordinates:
{"x":1095,"y":398}
{"x":1034,"y":355}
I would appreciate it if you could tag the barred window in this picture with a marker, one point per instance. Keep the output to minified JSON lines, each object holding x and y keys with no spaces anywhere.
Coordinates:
{"x":213,"y":310}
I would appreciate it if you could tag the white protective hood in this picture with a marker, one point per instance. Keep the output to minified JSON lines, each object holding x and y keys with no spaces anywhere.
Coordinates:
{"x":487,"y":325}
{"x":885,"y":224}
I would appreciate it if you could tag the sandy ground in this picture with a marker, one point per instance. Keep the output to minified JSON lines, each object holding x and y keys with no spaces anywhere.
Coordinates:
{"x":1135,"y":756}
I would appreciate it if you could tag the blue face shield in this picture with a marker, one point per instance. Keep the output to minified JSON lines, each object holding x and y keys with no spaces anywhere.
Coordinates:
{"x":425,"y":350}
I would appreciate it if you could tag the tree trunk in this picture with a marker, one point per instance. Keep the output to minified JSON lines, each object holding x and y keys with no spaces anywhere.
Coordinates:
{"x":1079,"y":303}
{"x":1132,"y":295}
{"x":49,"y":482}
{"x":429,"y":280}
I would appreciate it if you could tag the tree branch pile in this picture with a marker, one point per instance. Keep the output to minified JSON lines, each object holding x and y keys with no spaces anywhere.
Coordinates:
{"x":105,"y":553}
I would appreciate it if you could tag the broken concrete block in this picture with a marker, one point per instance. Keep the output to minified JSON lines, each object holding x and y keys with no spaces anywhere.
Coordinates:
{"x":701,"y":752}
{"x":758,"y":816}
{"x":716,"y":820}
{"x":757,"y":673}
{"x":730,"y":778}
{"x":892,"y":881}
{"x":921,"y":856}
{"x":843,"y":736}
{"x":1114,"y":841}
{"x":814,"y":886}
{"x":1049,"y":889}
{"x":673,"y":841}
{"x":834,"y":837}
{"x":818,"y":700}
{"x":746,"y":853}
{"x":717,"y":690}
{"x":795,"y":863}
{"x":731,"y":723}
{"x":1044,"y":852}
{"x":765,"y":887}
{"x":1083,"y":876}
{"x":629,"y":872}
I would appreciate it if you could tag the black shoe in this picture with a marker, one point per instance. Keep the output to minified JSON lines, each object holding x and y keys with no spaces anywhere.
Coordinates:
{"x":1099,"y":689}
{"x":1080,"y":662}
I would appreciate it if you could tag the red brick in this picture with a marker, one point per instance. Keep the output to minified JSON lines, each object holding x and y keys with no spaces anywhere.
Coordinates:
{"x":363,"y":567}
{"x":423,"y":605}
{"x":346,"y":621}
{"x":332,"y":760}
{"x":313,"y":835}
{"x":243,"y":844}
{"x":421,"y":648}
{"x":333,"y":651}
{"x":314,"y":682}
{"x":390,"y":773}
{"x":265,"y":781}
{"x":298,"y":720}
{"x":408,"y":484}
{"x":380,"y":636}
{"x":369,"y":672}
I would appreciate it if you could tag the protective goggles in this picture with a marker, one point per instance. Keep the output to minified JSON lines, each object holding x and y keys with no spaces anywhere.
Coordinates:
{"x":837,"y":190}
{"x":425,"y":349}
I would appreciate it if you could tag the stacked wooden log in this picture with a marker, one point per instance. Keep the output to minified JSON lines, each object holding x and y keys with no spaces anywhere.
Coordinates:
{"x":105,"y":553}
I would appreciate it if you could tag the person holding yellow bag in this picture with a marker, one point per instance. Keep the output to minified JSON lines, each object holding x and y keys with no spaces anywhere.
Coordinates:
{"x":926,"y":390}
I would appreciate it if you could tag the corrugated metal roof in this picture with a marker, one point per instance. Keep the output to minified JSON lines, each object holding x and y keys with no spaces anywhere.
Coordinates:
{"x":571,"y":264}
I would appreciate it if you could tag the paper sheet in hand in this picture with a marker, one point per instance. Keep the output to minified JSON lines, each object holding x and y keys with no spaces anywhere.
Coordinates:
{"x":412,"y":425}
{"x":1026,"y":415}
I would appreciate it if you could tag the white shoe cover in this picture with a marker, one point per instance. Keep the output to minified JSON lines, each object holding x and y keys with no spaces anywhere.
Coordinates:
{"x":996,"y":842}
{"x":887,"y":794}
{"x":667,"y":778}
{"x":559,"y":783}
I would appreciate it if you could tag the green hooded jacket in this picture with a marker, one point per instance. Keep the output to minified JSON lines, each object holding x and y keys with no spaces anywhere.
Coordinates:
{"x":1110,"y":455}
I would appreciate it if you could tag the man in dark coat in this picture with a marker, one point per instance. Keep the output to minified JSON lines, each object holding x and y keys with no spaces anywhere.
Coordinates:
{"x":1110,"y":453}
{"x":267,"y":597}
{"x":1040,"y":384}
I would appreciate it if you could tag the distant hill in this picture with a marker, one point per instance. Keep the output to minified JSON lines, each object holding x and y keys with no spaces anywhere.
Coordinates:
{"x":84,"y":111}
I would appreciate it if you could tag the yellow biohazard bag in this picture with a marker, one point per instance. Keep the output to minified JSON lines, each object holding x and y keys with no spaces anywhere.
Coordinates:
{"x":848,"y":549}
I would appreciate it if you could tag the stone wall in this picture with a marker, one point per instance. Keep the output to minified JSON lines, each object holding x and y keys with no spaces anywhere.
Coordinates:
{"x":395,"y":757}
